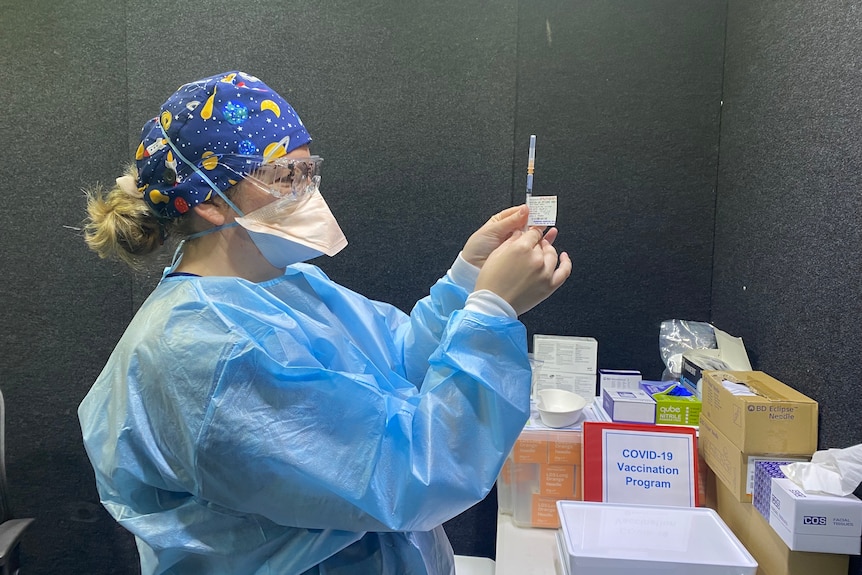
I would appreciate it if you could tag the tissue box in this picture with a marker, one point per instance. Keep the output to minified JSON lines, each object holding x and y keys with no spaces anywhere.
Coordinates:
{"x":673,"y":409}
{"x":774,"y":419}
{"x":629,"y":405}
{"x":818,"y":523}
{"x":772,"y":555}
{"x":619,"y":379}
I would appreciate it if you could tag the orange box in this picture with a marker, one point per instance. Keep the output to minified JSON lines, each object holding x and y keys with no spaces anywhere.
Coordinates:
{"x":544,"y":512}
{"x":543,"y":468}
{"x":557,"y":480}
{"x":564,"y":449}
{"x":528,"y":450}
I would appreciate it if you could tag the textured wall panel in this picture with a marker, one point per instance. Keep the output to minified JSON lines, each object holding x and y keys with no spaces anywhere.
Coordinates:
{"x":788,"y":228}
{"x":63,"y":124}
{"x":624,"y":100}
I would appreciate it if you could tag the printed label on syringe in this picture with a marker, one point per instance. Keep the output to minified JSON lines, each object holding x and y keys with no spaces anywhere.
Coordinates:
{"x":543,"y":210}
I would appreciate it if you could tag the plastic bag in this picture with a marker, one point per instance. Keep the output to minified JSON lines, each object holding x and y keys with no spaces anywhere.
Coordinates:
{"x":678,"y":336}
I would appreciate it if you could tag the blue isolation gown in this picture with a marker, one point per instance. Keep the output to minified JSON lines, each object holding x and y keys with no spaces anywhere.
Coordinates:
{"x":294,"y":426}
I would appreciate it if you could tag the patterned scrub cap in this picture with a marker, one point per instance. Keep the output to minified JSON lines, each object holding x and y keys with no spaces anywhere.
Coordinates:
{"x":201,"y":133}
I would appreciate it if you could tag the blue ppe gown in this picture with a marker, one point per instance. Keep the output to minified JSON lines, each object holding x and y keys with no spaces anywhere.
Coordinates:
{"x":297,"y":427}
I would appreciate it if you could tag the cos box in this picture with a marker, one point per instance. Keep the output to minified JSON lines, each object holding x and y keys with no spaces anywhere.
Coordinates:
{"x":758,"y":413}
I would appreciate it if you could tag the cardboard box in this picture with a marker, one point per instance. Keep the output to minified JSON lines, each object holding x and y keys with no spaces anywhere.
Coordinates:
{"x":673,"y":409}
{"x":771,"y":553}
{"x":733,"y":467}
{"x":811,"y":522}
{"x":771,"y":418}
{"x":629,"y":405}
{"x":619,"y":379}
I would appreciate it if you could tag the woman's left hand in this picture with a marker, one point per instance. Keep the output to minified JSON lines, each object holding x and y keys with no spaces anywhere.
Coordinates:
{"x":497,"y":230}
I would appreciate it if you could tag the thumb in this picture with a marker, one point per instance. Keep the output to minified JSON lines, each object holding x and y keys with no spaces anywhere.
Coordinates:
{"x":516,"y":218}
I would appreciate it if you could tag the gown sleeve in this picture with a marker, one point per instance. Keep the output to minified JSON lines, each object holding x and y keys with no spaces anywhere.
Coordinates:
{"x":332,"y":438}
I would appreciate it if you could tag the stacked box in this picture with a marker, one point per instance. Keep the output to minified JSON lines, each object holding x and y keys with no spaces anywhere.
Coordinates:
{"x":730,"y":464}
{"x":764,"y":471}
{"x":612,"y":379}
{"x":568,"y":362}
{"x":760,"y":414}
{"x":749,"y":416}
{"x":542,"y":468}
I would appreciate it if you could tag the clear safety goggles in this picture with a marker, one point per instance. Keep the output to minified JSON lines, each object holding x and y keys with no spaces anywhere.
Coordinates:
{"x":287,"y":177}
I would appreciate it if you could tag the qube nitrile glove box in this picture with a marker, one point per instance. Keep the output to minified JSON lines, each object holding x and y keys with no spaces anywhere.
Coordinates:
{"x":675,"y":403}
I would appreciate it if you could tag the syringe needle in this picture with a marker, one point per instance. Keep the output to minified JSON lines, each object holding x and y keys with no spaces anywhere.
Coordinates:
{"x":530,"y":165}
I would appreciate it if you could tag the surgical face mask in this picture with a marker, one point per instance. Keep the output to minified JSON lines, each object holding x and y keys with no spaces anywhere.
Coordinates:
{"x":294,"y":229}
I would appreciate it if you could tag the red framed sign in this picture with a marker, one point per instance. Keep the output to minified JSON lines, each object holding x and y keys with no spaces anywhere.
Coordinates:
{"x":640,"y":464}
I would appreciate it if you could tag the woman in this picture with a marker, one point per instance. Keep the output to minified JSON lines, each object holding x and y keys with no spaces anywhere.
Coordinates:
{"x":258,"y":418}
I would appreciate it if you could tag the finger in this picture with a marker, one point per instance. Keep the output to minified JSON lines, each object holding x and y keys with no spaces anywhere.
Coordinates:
{"x":551,"y":235}
{"x":532,"y":236}
{"x":507,"y":213}
{"x":514,"y":236}
{"x":550,"y":256}
{"x":563,"y":271}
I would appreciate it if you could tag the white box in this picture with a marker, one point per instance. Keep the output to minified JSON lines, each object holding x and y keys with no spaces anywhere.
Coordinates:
{"x":581,"y":383}
{"x":817,"y":523}
{"x":567,"y":353}
{"x":629,"y":405}
{"x":614,"y":539}
{"x":619,"y":379}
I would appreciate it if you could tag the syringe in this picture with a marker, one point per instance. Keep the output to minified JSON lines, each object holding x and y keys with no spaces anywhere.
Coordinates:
{"x":530,"y":165}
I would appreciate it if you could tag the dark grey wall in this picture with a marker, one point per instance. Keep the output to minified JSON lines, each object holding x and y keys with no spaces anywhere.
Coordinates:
{"x":788,"y":219}
{"x":787,"y":264}
{"x":423,"y":113}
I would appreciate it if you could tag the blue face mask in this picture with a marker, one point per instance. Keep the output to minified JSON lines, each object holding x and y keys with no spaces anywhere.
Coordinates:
{"x":281,"y":252}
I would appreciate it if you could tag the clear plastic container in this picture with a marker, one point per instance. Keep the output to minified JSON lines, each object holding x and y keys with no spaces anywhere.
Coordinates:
{"x":615,"y":539}
{"x":543,"y":468}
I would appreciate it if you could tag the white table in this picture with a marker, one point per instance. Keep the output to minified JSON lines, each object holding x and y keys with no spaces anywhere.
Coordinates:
{"x":524,"y":551}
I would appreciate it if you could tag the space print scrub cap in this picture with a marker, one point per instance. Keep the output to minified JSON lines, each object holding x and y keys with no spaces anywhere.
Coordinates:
{"x":203,"y":136}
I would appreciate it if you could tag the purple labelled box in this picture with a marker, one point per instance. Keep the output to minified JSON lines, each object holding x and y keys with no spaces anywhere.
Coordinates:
{"x":761,"y":494}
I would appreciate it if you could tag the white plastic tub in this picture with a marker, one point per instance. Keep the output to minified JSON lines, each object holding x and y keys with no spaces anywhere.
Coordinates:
{"x":612,"y":539}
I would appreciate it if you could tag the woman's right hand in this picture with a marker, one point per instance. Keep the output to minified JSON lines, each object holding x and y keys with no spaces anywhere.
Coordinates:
{"x":524,"y":270}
